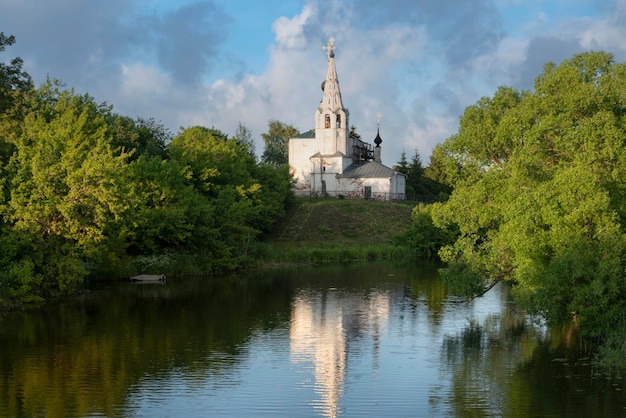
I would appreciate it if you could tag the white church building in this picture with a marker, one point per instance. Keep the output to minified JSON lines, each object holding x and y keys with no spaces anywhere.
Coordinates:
{"x":332,"y":159}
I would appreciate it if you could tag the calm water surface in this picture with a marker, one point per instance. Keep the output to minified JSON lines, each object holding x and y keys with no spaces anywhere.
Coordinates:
{"x":358,"y":340}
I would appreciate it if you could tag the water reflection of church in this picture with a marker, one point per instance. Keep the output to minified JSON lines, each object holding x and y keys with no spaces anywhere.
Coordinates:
{"x":323,"y":327}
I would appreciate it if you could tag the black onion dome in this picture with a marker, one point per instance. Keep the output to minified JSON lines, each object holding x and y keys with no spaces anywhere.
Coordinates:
{"x":378,"y":139}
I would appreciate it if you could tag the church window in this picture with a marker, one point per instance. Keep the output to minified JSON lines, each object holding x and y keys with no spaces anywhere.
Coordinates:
{"x":327,"y":121}
{"x":338,"y":121}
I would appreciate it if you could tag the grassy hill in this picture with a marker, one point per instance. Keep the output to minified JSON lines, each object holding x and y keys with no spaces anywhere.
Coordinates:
{"x":353,"y":222}
{"x":328,"y":229}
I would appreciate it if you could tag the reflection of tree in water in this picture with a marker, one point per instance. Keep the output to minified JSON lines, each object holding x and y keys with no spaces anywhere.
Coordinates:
{"x":129,"y":336}
{"x":510,"y":366}
{"x":483,"y":358}
{"x":429,"y":293}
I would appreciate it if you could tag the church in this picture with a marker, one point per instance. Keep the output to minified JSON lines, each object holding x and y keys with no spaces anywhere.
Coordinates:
{"x":333,"y":160}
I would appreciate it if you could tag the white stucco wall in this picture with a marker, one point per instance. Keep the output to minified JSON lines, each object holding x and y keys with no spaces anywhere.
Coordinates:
{"x":300,"y":150}
{"x":307,"y":160}
{"x":398,"y":184}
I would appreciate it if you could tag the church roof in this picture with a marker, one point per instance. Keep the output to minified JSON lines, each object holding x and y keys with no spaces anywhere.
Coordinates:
{"x":367,"y":169}
{"x":306,"y":135}
{"x":320,"y":155}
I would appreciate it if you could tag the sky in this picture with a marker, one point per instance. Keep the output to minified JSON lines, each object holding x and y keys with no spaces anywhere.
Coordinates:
{"x":221,"y":63}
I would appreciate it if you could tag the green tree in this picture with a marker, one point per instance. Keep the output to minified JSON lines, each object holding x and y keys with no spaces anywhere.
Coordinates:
{"x":211,"y":160}
{"x":442,"y":167}
{"x":65,"y":195}
{"x":222,"y":170}
{"x":165,"y":213}
{"x":403,"y":164}
{"x":277,"y":143}
{"x":245,"y":138}
{"x":139,"y":137}
{"x":415,"y":176}
{"x":12,"y":77}
{"x":417,"y":183}
{"x":276,"y":194}
{"x":423,"y":237}
{"x":16,"y":87}
{"x":539,"y":194}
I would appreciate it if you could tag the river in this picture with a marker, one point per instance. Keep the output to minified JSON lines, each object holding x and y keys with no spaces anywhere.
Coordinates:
{"x":352,"y":340}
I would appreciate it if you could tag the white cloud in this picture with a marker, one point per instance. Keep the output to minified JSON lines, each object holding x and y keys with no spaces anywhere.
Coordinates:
{"x":139,"y":80}
{"x":425,"y":137}
{"x":501,"y":66}
{"x":607,"y":34}
{"x":290,"y":32}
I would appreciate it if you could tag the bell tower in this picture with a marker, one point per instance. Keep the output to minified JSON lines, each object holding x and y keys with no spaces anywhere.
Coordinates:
{"x":331,"y":118}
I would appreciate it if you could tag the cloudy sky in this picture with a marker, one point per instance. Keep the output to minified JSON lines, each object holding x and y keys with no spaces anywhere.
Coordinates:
{"x":216,"y":63}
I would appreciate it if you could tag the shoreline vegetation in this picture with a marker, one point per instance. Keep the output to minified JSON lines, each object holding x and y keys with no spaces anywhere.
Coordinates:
{"x":313,"y":230}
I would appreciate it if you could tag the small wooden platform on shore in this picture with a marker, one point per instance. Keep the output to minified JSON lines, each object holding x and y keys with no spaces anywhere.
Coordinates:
{"x":154,"y":278}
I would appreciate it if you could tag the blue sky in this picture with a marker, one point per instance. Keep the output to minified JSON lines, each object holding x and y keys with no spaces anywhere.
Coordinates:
{"x":218,"y":63}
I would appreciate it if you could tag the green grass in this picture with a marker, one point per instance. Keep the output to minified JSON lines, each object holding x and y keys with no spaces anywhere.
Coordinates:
{"x":318,"y":230}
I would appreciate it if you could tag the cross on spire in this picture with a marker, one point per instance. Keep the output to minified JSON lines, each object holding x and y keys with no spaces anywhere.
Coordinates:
{"x":330,"y":47}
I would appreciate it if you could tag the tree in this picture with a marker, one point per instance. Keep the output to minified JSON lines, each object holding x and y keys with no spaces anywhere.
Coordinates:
{"x":276,"y":194}
{"x":165,"y":213}
{"x":245,"y":139}
{"x":443,"y":167}
{"x":12,"y":77}
{"x":210,"y":159}
{"x":403,"y":164}
{"x":423,"y":237}
{"x":65,"y":193}
{"x":139,"y":137}
{"x":16,"y":87}
{"x":222,"y":170}
{"x":413,"y":172}
{"x":416,"y":181}
{"x":277,"y":142}
{"x":540,"y":191}
{"x":415,"y":175}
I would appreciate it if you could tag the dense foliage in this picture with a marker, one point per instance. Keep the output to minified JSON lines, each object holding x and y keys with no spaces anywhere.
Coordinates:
{"x":540,"y":195}
{"x":422,"y":184}
{"x":85,"y":190}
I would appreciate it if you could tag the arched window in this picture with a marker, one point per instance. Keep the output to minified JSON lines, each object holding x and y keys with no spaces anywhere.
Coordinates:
{"x":338,"y":121}
{"x":327,"y":121}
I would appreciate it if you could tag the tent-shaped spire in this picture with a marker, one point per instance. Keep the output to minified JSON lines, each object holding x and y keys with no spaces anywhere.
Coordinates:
{"x":332,"y":95}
